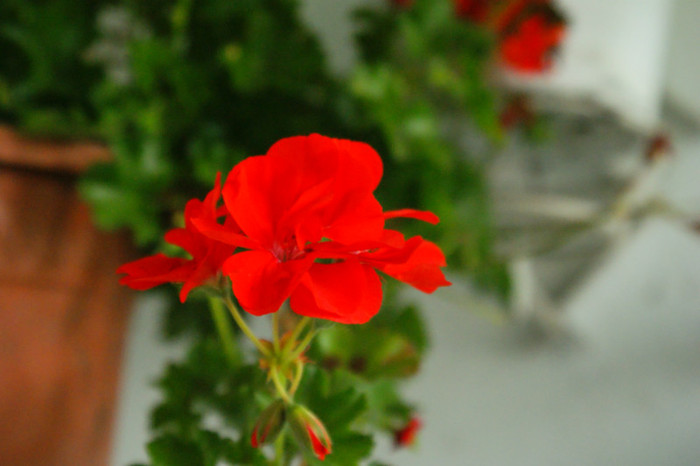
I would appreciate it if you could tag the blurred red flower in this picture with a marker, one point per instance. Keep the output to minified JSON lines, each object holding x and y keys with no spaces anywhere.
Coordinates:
{"x":530,"y":47}
{"x":528,"y":32}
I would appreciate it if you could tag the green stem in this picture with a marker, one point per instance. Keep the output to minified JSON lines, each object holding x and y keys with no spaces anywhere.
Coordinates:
{"x":276,"y":331}
{"x":299,"y":372}
{"x":297,"y":331}
{"x":279,"y":450}
{"x":302,"y":346}
{"x":279,"y":385}
{"x":244,"y":327}
{"x":224,"y":329}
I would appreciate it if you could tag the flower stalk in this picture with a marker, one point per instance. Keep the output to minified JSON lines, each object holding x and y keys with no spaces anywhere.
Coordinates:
{"x":244,"y":327}
{"x":224,"y":329}
{"x":282,"y":358}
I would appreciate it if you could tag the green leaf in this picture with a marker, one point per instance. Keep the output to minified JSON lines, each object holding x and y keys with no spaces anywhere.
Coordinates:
{"x":168,"y":450}
{"x":339,"y":404}
{"x":368,"y":351}
{"x":115,"y":206}
{"x":348,"y":449}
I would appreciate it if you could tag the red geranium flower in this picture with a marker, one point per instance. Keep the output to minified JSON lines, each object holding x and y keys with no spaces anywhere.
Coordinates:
{"x":207,"y":255}
{"x":531,"y":46}
{"x":528,"y":31}
{"x":406,"y":436}
{"x":314,"y":232}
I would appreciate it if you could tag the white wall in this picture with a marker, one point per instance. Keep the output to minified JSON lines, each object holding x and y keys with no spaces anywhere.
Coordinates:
{"x":683,"y":72}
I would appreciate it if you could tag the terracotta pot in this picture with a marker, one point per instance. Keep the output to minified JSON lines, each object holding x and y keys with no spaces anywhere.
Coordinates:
{"x":62,"y":314}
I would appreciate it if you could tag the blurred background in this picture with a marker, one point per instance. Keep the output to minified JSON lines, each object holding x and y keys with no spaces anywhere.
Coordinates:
{"x":558,"y":141}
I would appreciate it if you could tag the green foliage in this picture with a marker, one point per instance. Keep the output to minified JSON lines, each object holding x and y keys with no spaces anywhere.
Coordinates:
{"x":169,"y":450}
{"x":340,"y":405}
{"x":419,"y":66}
{"x":182,"y":89}
{"x":209,"y":83}
{"x":203,"y":386}
{"x":389,"y":346}
{"x":43,"y":76}
{"x":206,"y":385}
{"x":186,"y":320}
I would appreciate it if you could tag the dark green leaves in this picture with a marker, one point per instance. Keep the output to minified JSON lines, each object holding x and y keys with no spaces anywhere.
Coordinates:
{"x":340,"y":406}
{"x":207,"y":385}
{"x":44,"y":78}
{"x":169,"y":450}
{"x":424,"y":84}
{"x":205,"y":448}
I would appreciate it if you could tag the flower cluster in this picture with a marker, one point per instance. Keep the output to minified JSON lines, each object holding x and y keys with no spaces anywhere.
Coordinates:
{"x":299,"y":223}
{"x":528,"y":32}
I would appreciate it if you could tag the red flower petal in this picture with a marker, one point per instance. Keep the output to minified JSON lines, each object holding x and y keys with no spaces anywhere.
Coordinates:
{"x":151,"y":271}
{"x":346,"y":292}
{"x":423,"y":215}
{"x":361,"y":164}
{"x":323,"y":158}
{"x":357,"y":219}
{"x":320,"y":449}
{"x":228,"y":233}
{"x":249,"y":196}
{"x":204,"y":269}
{"x":422,"y":269}
{"x":261,"y":283}
{"x":192,"y":243}
{"x":328,"y":186}
{"x":212,"y":199}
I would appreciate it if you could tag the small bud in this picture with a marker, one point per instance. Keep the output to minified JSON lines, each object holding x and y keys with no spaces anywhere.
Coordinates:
{"x":658,"y":147}
{"x":406,"y":436}
{"x":269,"y":424}
{"x":309,"y":431}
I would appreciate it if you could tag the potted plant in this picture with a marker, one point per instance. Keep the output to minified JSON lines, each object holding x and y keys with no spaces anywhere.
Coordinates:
{"x":181,"y":91}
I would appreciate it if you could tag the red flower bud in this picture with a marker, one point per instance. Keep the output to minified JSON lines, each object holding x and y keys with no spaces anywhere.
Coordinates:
{"x":406,"y":436}
{"x":658,"y":146}
{"x":269,"y":424}
{"x":309,"y":431}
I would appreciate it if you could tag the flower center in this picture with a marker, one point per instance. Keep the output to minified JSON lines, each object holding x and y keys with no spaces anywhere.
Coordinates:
{"x":287,"y":250}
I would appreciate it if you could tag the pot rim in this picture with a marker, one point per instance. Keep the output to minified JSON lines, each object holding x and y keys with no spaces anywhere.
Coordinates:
{"x":49,"y":154}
